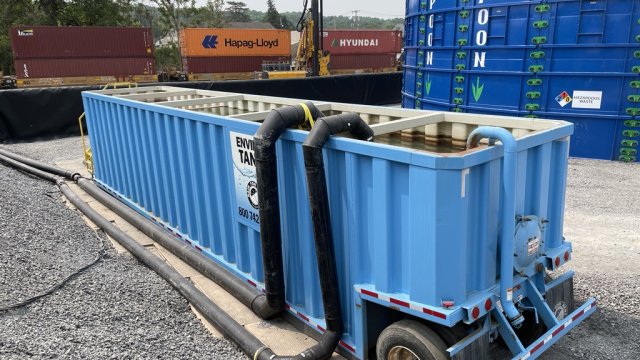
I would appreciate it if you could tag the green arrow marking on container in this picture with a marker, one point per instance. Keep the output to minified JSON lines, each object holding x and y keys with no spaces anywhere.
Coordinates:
{"x":428,"y":84}
{"x":477,"y":89}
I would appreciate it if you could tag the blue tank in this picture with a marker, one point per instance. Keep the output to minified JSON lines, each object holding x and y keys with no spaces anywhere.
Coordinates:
{"x":560,"y":59}
{"x":444,"y":236}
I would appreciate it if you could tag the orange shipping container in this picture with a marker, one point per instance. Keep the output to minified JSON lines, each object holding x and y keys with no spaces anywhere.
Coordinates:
{"x":197,"y":42}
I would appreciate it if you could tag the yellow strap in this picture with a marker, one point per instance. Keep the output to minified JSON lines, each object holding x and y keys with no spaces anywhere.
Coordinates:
{"x":307,"y":114}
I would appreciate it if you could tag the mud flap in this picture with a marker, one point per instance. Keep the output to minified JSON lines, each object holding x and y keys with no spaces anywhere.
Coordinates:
{"x":559,"y":296}
{"x":474,"y":346}
{"x":476,"y":350}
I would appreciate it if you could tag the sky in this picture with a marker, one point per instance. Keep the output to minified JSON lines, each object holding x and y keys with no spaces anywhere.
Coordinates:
{"x":371,"y":8}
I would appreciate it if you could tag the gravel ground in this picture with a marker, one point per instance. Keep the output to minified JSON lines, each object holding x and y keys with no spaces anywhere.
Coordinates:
{"x":602,"y":207}
{"x":601,"y":220}
{"x":117,"y":309}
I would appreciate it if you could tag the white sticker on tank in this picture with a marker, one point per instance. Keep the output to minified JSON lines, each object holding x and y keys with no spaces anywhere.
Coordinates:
{"x":244,"y":176}
{"x":463,"y":183}
{"x":586,"y":99}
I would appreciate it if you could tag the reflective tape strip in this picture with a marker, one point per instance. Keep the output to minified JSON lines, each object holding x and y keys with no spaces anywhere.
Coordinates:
{"x":399,"y":302}
{"x":406,"y":304}
{"x":307,"y":320}
{"x":302,"y":316}
{"x":555,"y":333}
{"x":347,"y":346}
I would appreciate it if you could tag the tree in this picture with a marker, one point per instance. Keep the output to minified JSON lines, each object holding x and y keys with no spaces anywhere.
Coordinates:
{"x":237,"y":11}
{"x":97,"y":13}
{"x":174,"y":12}
{"x":274,"y":18}
{"x":217,"y":10}
{"x":17,"y":12}
{"x":211,"y":15}
{"x":52,"y":9}
{"x":168,"y":57}
{"x":143,"y":15}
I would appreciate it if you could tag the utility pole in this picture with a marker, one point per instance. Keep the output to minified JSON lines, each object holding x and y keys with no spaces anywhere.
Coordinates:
{"x":355,"y":12}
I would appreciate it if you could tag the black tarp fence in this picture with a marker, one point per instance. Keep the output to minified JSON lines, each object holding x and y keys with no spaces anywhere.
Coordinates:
{"x":27,"y":114}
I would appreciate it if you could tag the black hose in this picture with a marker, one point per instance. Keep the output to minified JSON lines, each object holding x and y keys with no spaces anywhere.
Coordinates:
{"x":251,"y":345}
{"x":59,"y":285}
{"x":248,"y":295}
{"x":67,"y":174}
{"x":28,"y":169}
{"x":336,"y":124}
{"x":221,"y":320}
{"x":265,"y":140}
{"x":245,"y":293}
{"x":300,"y":25}
{"x":319,"y":203}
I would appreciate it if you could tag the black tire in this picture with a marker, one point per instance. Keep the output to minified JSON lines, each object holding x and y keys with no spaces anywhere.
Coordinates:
{"x":413,"y":336}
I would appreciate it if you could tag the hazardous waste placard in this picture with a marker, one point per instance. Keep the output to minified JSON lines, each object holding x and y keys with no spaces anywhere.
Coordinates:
{"x":587,"y":99}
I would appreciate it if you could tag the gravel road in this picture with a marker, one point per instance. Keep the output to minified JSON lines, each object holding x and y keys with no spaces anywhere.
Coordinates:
{"x":121,"y":309}
{"x":601,"y":220}
{"x":117,"y":309}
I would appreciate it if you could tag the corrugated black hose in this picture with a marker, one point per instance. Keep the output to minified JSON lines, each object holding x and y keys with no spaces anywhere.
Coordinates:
{"x":320,"y":215}
{"x":265,"y":140}
{"x":249,"y":295}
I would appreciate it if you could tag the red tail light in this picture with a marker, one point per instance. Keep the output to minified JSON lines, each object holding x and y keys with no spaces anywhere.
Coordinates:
{"x":488,"y":304}
{"x":475,"y":312}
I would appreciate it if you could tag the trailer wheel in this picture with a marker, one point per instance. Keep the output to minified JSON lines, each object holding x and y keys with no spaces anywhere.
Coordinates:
{"x":410,"y":340}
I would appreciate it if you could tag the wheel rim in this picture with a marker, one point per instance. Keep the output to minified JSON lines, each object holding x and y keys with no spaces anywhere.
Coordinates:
{"x":401,"y":353}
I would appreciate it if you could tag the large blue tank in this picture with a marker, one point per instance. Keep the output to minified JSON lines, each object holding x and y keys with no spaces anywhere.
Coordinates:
{"x":434,"y":234}
{"x":562,"y":59}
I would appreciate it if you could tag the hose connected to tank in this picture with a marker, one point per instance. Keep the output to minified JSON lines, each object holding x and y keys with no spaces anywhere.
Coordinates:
{"x":320,"y":214}
{"x":265,"y":140}
{"x":508,"y":205}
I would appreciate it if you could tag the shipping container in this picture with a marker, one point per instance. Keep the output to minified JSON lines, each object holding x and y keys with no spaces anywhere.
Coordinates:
{"x":55,"y":42}
{"x":203,"y":42}
{"x":371,"y":62}
{"x":227,"y":64}
{"x":50,"y":68}
{"x":348,"y":42}
{"x":446,"y":236}
{"x":572,"y":60}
